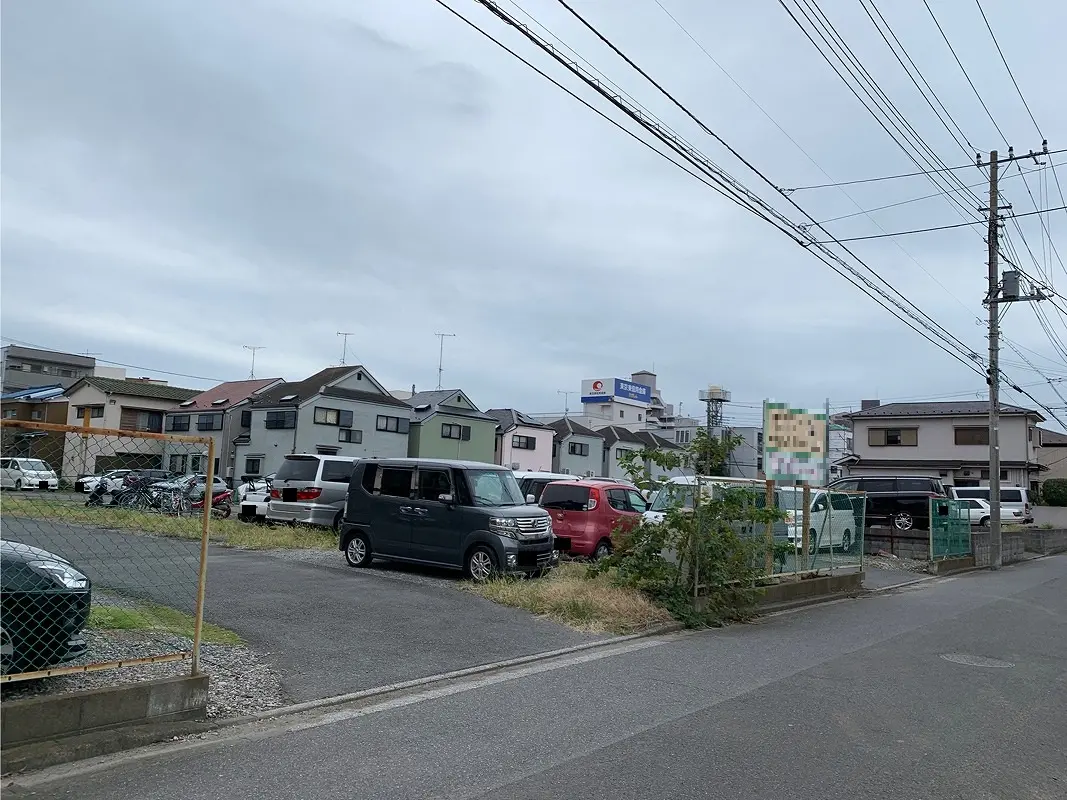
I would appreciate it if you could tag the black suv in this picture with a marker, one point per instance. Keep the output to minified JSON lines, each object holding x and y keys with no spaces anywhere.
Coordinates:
{"x":457,"y":514}
{"x":899,"y":500}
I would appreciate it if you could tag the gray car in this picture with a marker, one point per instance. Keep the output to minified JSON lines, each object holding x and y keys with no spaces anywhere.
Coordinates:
{"x":310,"y":489}
{"x":462,"y":515}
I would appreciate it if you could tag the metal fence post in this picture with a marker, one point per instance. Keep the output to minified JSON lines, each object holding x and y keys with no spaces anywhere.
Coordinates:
{"x":205,"y":531}
{"x":805,"y":534}
{"x":769,"y":534}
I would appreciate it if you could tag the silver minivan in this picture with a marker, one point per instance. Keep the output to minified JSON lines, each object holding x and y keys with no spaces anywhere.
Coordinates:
{"x":27,"y":473}
{"x":311,"y":489}
{"x":1017,"y":498}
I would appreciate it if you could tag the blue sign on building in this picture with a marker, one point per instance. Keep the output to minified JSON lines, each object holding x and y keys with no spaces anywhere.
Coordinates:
{"x":629,"y":390}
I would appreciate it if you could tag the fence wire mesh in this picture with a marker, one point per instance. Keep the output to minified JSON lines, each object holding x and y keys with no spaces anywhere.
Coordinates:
{"x":102,"y":548}
{"x":950,"y":528}
{"x":829,"y":538}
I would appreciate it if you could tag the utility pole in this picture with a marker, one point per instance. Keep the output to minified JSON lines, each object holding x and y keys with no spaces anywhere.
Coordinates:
{"x":252,"y":373}
{"x":566,"y":401}
{"x":344,"y":347}
{"x":441,"y":356}
{"x":998,"y":292}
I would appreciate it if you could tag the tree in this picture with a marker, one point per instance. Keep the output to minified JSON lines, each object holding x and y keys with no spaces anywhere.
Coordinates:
{"x":704,"y":456}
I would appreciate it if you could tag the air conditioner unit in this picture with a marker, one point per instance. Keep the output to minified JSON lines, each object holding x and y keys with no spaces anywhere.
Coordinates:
{"x":589,"y":473}
{"x":514,"y":464}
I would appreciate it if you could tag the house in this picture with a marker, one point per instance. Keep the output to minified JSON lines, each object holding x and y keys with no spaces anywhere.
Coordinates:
{"x":40,"y":404}
{"x":130,"y":404}
{"x":576,"y":449}
{"x":949,"y":440}
{"x":1052,"y":454}
{"x":522,"y":442}
{"x":618,"y":442}
{"x":446,"y":424}
{"x":655,"y":441}
{"x":28,"y":367}
{"x":216,"y":413}
{"x":337,"y":411}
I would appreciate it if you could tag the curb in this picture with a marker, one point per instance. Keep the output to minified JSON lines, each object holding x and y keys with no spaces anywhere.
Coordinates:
{"x":41,"y":755}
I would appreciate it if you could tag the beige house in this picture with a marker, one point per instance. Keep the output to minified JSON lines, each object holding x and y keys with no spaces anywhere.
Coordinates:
{"x":129,"y":405}
{"x":1052,"y":454}
{"x":946,"y":440}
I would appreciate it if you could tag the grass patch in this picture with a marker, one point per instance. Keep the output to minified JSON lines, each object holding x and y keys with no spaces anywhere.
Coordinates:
{"x":227,"y":532}
{"x":568,"y":595}
{"x":157,"y":618}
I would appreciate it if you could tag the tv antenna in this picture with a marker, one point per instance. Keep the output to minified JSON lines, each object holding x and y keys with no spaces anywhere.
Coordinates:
{"x":344,"y":347}
{"x":441,"y":356}
{"x":252,"y":373}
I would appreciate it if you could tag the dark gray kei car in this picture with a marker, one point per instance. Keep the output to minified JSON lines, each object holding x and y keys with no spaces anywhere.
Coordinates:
{"x":462,"y":515}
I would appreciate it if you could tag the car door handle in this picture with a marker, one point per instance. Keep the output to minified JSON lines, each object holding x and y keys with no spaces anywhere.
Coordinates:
{"x":406,"y":509}
{"x":419,"y":512}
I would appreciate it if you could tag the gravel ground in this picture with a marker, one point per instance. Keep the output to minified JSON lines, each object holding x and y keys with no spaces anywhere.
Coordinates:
{"x":241,"y":680}
{"x":895,"y":562}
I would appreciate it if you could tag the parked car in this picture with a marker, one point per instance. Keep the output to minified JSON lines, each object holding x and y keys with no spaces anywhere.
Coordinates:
{"x":586,"y":513}
{"x":832,"y":519}
{"x":1015,"y":498}
{"x":150,"y":475}
{"x":463,"y":515}
{"x":902,"y":502}
{"x":27,"y":473}
{"x":253,"y":498}
{"x":311,"y":489}
{"x":45,"y":605}
{"x":192,"y":485}
{"x":981,"y":512}
{"x":112,"y":481}
{"x":681,"y":491}
{"x":533,"y":483}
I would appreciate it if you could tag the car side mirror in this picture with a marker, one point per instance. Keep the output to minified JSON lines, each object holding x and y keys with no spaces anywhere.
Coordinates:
{"x":445,"y":498}
{"x":530,"y":499}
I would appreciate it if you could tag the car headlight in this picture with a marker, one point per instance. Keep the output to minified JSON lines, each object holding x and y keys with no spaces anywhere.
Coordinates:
{"x":505,"y":526}
{"x":61,"y":573}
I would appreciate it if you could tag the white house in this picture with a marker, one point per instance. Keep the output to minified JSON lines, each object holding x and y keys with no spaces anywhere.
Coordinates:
{"x":576,"y":449}
{"x":522,"y":442}
{"x":949,"y":440}
{"x":338,"y":411}
{"x":129,"y":405}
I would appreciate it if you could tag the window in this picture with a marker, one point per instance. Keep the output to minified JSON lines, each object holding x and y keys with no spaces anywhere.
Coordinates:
{"x":331,"y":416}
{"x":617,"y":499}
{"x":840,"y":502}
{"x":95,"y":412}
{"x":326,"y":450}
{"x":209,"y":422}
{"x":578,"y":449}
{"x":66,"y":373}
{"x":177,"y":463}
{"x":298,"y":468}
{"x":337,"y":471}
{"x":449,"y":431}
{"x":683,"y":436}
{"x":883,"y":485}
{"x":280,"y":419}
{"x":396,"y":482}
{"x":637,"y":502}
{"x":10,"y":413}
{"x":37,"y":414}
{"x":433,"y":483}
{"x":253,"y":466}
{"x":565,"y":496}
{"x":620,"y":454}
{"x":350,"y":436}
{"x":930,"y":485}
{"x":848,"y":486}
{"x":246,"y":419}
{"x":1011,"y":496}
{"x":622,"y":414}
{"x":984,"y":475}
{"x":178,"y":423}
{"x":393,"y":424}
{"x":638,"y":417}
{"x":196,"y":464}
{"x":893,"y":437}
{"x":972,"y":435}
{"x":1003,"y":474}
{"x":132,"y":419}
{"x":523,"y":442}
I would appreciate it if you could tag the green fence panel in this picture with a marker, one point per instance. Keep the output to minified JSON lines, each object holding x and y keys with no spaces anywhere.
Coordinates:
{"x":950,"y":528}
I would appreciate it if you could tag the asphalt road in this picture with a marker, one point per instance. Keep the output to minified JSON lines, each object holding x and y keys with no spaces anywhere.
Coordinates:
{"x":955,"y":687}
{"x":326,"y":628}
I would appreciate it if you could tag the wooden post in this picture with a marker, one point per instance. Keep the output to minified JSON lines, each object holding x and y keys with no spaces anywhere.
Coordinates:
{"x":205,"y":533}
{"x":87,"y":415}
{"x":805,"y":534}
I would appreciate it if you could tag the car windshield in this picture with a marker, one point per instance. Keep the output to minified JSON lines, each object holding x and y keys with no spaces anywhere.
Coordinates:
{"x":33,"y":465}
{"x":494,"y":487}
{"x":671,"y":495}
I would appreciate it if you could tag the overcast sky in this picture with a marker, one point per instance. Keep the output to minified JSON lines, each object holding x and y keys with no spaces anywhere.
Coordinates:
{"x":184,"y":178}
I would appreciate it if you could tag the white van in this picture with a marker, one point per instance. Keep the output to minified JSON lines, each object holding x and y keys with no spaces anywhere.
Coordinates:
{"x":832,"y":519}
{"x":1015,"y":498}
{"x":27,"y":473}
{"x":681,"y":491}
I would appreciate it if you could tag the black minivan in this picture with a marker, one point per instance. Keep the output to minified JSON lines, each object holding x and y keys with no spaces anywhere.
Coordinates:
{"x":902,"y":501}
{"x":458,"y":514}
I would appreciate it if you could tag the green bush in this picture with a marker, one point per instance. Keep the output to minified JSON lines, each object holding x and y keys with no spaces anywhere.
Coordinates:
{"x":1054,"y":492}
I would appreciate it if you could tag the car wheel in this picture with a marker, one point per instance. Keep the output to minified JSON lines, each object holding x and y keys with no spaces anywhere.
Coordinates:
{"x":903,"y":521}
{"x":812,"y":536}
{"x":983,"y":522}
{"x":18,"y":486}
{"x":357,"y":551}
{"x":846,"y":542}
{"x":481,"y":564}
{"x":337,"y":521}
{"x":603,"y":550}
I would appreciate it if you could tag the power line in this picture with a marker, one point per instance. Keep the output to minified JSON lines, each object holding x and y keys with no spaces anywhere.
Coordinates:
{"x":1015,"y":83}
{"x":883,"y":178}
{"x":937,"y":228}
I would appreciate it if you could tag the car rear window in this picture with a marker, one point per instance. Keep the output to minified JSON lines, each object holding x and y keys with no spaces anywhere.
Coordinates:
{"x":337,"y":471}
{"x":565,"y":497}
{"x":1011,"y":496}
{"x":298,"y":469}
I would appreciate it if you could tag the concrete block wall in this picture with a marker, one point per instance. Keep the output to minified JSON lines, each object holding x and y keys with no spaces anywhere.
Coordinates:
{"x":1045,"y":541}
{"x":1012,"y":547}
{"x":915,"y":547}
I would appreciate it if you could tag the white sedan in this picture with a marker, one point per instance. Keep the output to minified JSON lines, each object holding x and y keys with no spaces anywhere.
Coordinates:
{"x":253,"y":499}
{"x":981,"y":512}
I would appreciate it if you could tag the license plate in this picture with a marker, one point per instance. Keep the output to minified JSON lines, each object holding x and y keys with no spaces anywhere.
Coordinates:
{"x":44,"y":484}
{"x":289,"y":495}
{"x":562,"y":543}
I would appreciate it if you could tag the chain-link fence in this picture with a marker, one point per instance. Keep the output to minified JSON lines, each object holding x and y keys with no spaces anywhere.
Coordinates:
{"x":950,"y":528}
{"x":823,"y":529}
{"x":104,"y":548}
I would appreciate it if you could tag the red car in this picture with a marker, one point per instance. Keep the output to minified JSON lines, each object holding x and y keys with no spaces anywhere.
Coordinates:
{"x":587,"y":513}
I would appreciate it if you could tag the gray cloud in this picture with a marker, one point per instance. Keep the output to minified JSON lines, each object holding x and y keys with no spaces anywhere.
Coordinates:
{"x":192,"y":177}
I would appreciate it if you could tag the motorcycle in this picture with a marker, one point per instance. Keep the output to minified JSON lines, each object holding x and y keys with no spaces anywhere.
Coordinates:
{"x":221,"y":505}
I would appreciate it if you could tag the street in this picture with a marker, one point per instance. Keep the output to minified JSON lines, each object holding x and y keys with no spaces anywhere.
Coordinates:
{"x":954,"y":687}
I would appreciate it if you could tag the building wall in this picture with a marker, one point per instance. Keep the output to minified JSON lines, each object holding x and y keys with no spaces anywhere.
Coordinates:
{"x":429,"y":443}
{"x":566,"y":463}
{"x":271,"y":445}
{"x":746,"y":460}
{"x":1055,"y":458}
{"x":936,"y":439}
{"x":611,"y":467}
{"x":25,"y":367}
{"x":540,"y":458}
{"x":45,"y":445}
